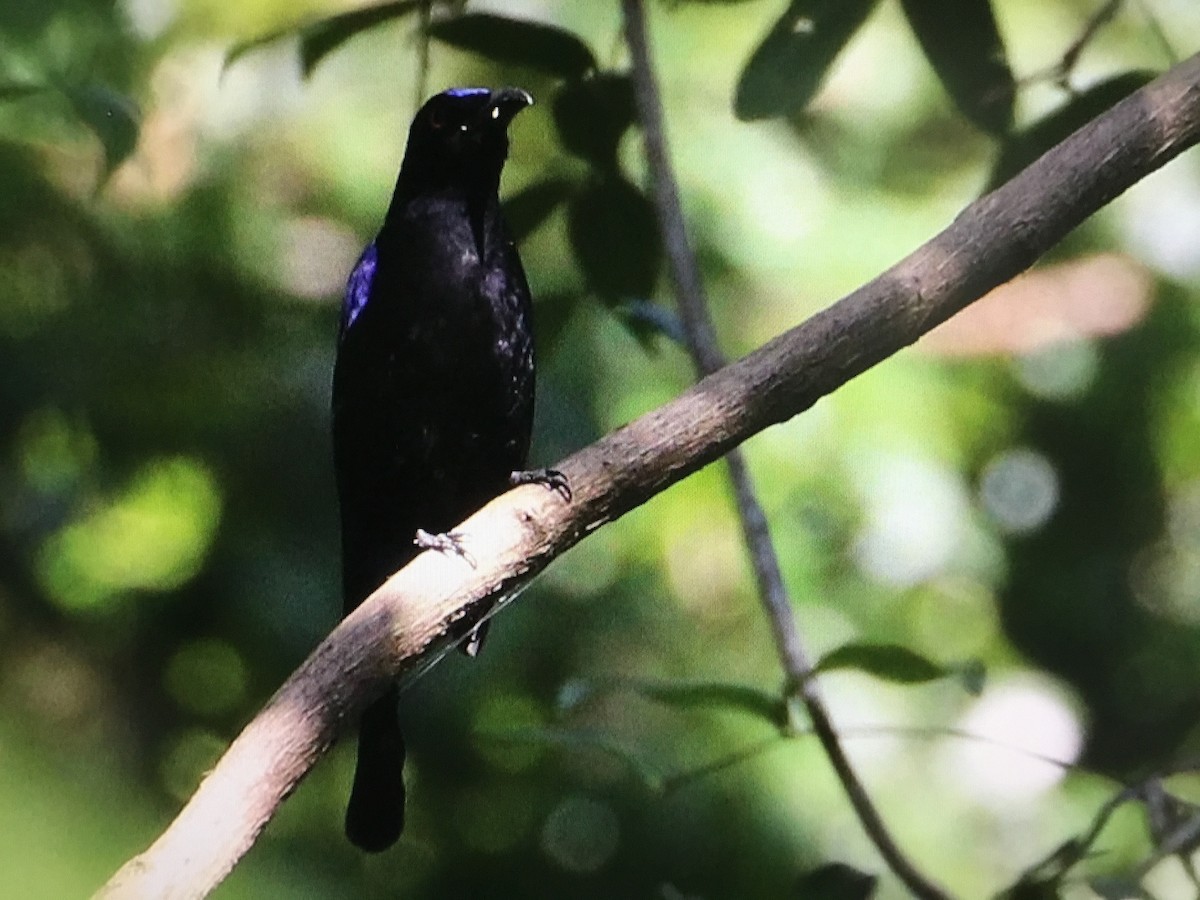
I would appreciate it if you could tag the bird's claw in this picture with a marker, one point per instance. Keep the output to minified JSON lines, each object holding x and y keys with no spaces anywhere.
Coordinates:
{"x":449,"y":542}
{"x":471,"y":646}
{"x":548,"y":478}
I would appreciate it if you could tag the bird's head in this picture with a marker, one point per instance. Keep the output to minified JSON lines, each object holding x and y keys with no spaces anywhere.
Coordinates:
{"x":460,"y":138}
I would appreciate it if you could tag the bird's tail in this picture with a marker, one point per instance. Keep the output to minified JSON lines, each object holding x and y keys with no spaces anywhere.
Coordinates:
{"x":375,"y":815}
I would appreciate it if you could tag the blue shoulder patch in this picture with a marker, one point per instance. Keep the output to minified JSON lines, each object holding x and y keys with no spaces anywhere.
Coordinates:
{"x":466,"y":92}
{"x":358,"y":289}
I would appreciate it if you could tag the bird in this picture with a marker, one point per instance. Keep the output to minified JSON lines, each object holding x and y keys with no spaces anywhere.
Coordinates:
{"x":433,"y":387}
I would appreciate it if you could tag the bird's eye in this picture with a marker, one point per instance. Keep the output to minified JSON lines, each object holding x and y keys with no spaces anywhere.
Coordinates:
{"x":437,"y":120}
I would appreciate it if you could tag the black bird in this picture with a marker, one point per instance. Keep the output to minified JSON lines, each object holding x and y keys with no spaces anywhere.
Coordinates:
{"x":433,"y":385}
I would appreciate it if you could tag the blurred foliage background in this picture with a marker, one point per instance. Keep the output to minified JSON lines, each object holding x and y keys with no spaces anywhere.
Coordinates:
{"x":1021,"y":489}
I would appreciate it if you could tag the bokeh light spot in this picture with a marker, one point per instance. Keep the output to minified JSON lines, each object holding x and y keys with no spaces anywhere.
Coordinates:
{"x":154,"y":536}
{"x":1023,"y":724}
{"x":1061,"y":371}
{"x":206,"y":677}
{"x":37,"y":287}
{"x":315,"y":257}
{"x":1019,"y":489}
{"x":55,"y":683}
{"x":494,"y":819}
{"x":957,"y":615}
{"x":189,"y":755}
{"x":581,"y":834}
{"x":53,"y":451}
{"x":916,"y":518}
{"x":502,"y":714}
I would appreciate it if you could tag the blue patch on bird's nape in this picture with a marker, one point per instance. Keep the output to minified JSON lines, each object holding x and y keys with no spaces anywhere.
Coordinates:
{"x":466,"y":92}
{"x":358,"y":289}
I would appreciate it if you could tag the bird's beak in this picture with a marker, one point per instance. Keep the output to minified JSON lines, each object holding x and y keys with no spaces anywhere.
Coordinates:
{"x":506,"y":103}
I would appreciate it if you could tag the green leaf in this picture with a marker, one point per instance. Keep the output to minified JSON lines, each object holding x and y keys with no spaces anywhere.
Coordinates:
{"x":963,"y":44}
{"x":1023,"y":147}
{"x":319,"y":38}
{"x":682,"y":695}
{"x":890,"y":662}
{"x":614,"y":234}
{"x":517,"y":42}
{"x":592,"y":114}
{"x":836,"y":881}
{"x":111,"y":116}
{"x":526,"y":210}
{"x":787,"y":68}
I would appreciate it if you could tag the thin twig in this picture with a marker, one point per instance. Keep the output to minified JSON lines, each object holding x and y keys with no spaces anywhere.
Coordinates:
{"x":423,"y":42}
{"x":1091,"y":28}
{"x":1060,"y":72}
{"x":1160,"y":34}
{"x":707,"y":357}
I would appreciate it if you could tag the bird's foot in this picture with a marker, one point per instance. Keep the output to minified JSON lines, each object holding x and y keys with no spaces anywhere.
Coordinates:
{"x":474,"y":642}
{"x":448,"y":542}
{"x":549,"y":478}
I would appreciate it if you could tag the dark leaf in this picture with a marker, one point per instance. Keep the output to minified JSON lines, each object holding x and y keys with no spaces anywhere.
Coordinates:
{"x":691,"y":776}
{"x":1166,"y":814}
{"x":962,"y":43}
{"x":318,"y":39}
{"x":1043,"y":880}
{"x":836,"y":881}
{"x":551,"y":314}
{"x":1023,"y":147}
{"x":786,"y":69}
{"x":15,"y":90}
{"x":580,"y":740}
{"x":647,"y":320}
{"x":321,"y":38}
{"x":111,"y":116}
{"x":750,"y":700}
{"x":27,"y":21}
{"x":682,"y":695}
{"x":1119,"y":889}
{"x":592,"y":114}
{"x":973,"y":675}
{"x":1034,"y":889}
{"x":614,"y":233}
{"x":890,"y":662}
{"x":241,"y":48}
{"x":517,"y":42}
{"x":527,"y":210}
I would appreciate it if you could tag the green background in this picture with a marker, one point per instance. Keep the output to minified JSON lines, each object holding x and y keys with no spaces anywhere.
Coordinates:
{"x":1023,"y":494}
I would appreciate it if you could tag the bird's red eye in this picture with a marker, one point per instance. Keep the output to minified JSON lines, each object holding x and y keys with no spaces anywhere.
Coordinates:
{"x":437,"y":119}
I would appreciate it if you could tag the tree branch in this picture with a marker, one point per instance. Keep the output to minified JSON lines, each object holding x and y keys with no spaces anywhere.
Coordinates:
{"x":404,"y":626}
{"x":706,"y":354}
